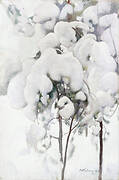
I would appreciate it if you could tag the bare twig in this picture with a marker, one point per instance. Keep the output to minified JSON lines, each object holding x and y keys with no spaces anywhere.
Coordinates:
{"x":54,"y":137}
{"x":117,"y":105}
{"x":78,"y":122}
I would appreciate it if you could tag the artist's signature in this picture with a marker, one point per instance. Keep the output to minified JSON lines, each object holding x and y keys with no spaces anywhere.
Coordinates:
{"x":92,"y":171}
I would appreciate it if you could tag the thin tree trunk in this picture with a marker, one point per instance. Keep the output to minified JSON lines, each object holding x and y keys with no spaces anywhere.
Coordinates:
{"x":66,"y":149}
{"x":101,"y":151}
{"x":60,"y":138}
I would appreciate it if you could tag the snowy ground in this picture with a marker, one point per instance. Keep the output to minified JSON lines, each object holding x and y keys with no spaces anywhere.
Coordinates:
{"x":17,"y":162}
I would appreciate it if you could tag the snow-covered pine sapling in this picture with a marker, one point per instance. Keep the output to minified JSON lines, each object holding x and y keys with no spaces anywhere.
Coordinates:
{"x":68,"y":77}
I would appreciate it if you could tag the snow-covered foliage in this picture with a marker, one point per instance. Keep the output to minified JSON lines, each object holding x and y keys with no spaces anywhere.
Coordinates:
{"x":66,"y":107}
{"x":63,"y":70}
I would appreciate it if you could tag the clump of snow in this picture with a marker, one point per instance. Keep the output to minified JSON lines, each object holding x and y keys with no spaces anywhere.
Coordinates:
{"x":47,"y":18}
{"x":49,"y":41}
{"x":80,"y":96}
{"x":100,"y":55}
{"x":90,"y":15}
{"x":110,"y":82}
{"x":10,"y":65}
{"x":17,"y":84}
{"x":110,"y":23}
{"x":95,"y":129}
{"x":36,"y":83}
{"x":82,"y":49}
{"x":66,"y":107}
{"x":66,"y":34}
{"x":104,"y":99}
{"x":41,"y":15}
{"x":25,"y":28}
{"x":107,"y":20}
{"x":30,"y":44}
{"x":64,"y":65}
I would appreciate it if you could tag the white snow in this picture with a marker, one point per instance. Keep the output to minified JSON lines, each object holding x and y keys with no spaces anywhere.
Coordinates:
{"x":49,"y":41}
{"x":66,"y":107}
{"x":110,"y":35}
{"x":80,"y":96}
{"x":66,"y":34}
{"x":64,"y":65}
{"x":82,"y":49}
{"x":17,"y":84}
{"x":110,"y":82}
{"x":100,"y":55}
{"x":103,"y":7}
{"x":90,"y":15}
{"x":9,"y":66}
{"x":41,"y":15}
{"x":49,"y":18}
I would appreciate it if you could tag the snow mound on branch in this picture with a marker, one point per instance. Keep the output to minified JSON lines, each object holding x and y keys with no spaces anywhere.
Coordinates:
{"x":41,"y":15}
{"x":105,"y":81}
{"x":96,"y":104}
{"x":104,"y":99}
{"x":110,"y":35}
{"x":30,"y":44}
{"x":10,"y":65}
{"x":101,"y":56}
{"x":107,"y":20}
{"x":108,"y":39}
{"x":80,"y":96}
{"x":66,"y":34}
{"x":66,"y":107}
{"x":94,"y":76}
{"x":49,"y":41}
{"x":82,"y":49}
{"x":88,"y":51}
{"x":56,"y":67}
{"x":48,"y":19}
{"x":17,"y":85}
{"x":110,"y":82}
{"x":90,"y":15}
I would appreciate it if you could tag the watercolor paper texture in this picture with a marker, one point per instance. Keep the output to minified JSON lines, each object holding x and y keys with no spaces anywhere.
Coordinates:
{"x":59,"y":89}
